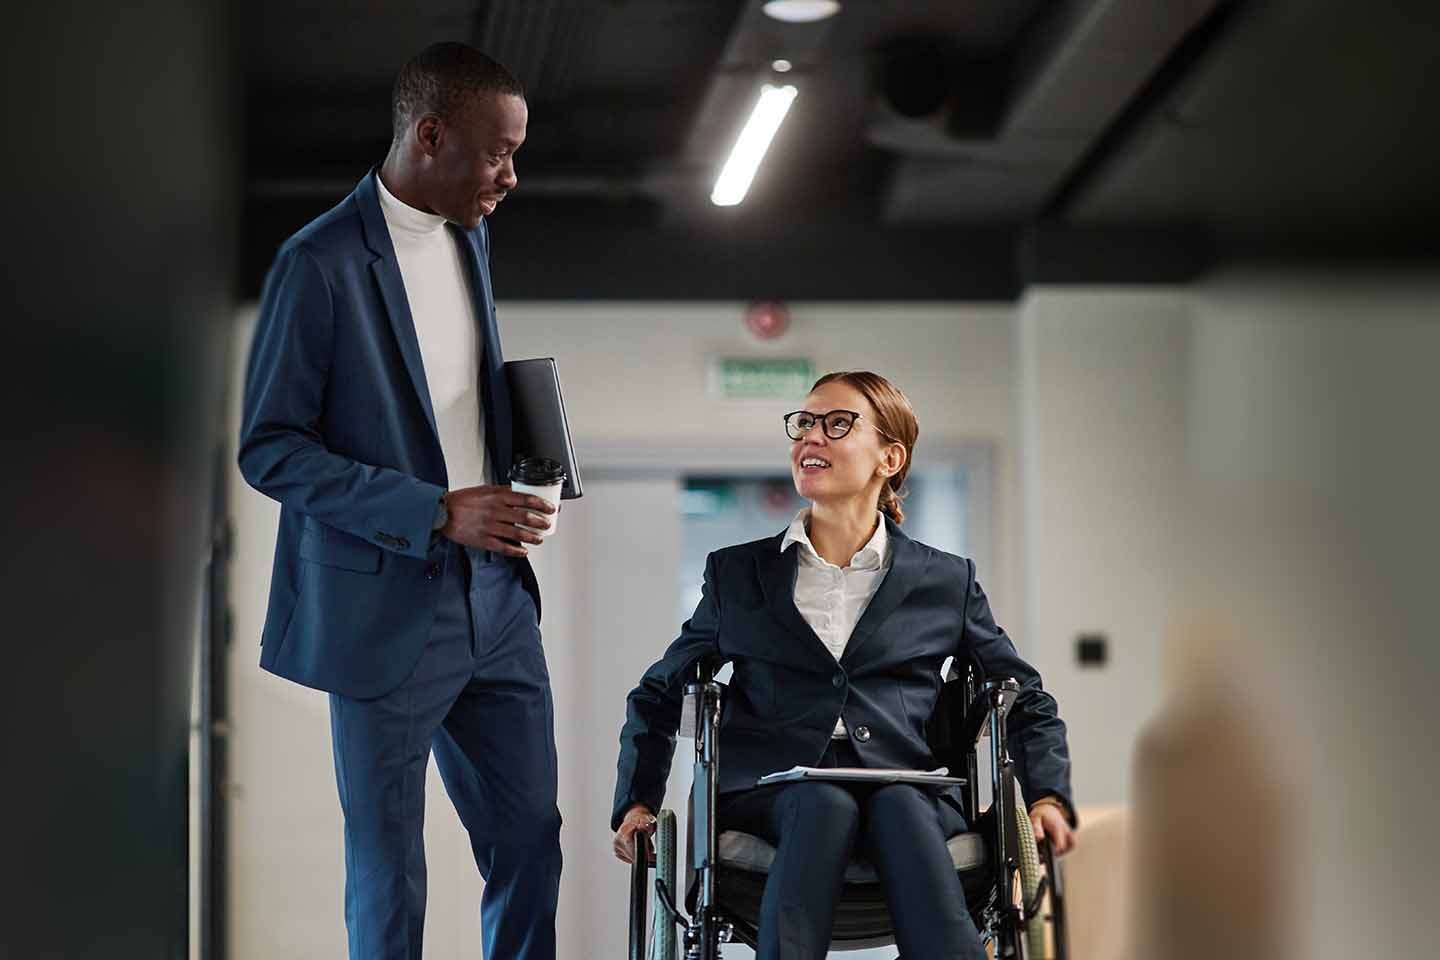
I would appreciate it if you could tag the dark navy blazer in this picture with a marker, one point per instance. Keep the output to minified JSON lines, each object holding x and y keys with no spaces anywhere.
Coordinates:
{"x":337,"y":425}
{"x":787,"y":688}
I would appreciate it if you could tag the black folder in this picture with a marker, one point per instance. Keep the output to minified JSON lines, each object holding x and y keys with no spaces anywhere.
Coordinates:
{"x":540,"y":427}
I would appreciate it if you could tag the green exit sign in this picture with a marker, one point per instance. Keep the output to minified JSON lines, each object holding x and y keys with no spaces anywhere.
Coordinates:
{"x":762,"y":378}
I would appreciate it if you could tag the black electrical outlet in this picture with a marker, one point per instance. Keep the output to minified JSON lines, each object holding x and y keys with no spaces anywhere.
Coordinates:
{"x":1091,"y":649}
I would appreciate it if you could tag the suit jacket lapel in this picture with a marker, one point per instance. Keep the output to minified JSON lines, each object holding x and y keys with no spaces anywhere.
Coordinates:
{"x":494,"y":389}
{"x":907,"y":567}
{"x":392,"y":291}
{"x":777,"y":571}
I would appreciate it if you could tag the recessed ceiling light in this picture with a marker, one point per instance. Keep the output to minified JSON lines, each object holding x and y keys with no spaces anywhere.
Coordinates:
{"x":801,"y":11}
{"x":781,"y":66}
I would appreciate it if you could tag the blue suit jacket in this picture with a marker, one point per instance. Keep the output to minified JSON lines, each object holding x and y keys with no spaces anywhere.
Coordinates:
{"x":787,"y":688}
{"x":337,"y":426}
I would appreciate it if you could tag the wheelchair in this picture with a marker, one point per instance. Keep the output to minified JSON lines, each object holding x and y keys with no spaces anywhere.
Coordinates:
{"x":1017,"y":906}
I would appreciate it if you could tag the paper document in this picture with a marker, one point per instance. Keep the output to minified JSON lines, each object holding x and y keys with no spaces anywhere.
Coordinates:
{"x":938,"y":777}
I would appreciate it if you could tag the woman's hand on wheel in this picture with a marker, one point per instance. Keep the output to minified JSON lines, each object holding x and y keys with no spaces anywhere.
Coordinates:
{"x":1048,"y":819}
{"x":637,"y":818}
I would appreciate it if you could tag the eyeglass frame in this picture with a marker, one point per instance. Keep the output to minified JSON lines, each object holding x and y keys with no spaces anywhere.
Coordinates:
{"x":823,"y":420}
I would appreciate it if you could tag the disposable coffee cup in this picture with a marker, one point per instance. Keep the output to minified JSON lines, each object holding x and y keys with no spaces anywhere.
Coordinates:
{"x":540,"y":477}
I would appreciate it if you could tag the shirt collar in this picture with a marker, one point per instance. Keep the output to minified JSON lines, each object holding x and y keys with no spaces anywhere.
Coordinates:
{"x":872,"y":556}
{"x":399,"y":215}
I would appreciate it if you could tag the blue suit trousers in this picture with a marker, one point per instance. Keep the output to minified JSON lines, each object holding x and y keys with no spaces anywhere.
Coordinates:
{"x":480,"y":699}
{"x":818,"y":827}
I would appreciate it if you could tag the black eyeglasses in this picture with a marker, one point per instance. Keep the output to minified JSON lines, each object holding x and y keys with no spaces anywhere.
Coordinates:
{"x":836,"y":423}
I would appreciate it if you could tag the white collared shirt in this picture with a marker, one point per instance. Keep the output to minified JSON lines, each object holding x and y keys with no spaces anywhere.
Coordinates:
{"x":833,"y":599}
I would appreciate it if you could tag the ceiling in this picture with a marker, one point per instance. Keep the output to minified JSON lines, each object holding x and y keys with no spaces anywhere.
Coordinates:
{"x":935,"y":149}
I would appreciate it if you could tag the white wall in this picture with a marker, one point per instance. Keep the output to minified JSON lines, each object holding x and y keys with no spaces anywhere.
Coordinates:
{"x":1101,"y":401}
{"x":636,"y":374}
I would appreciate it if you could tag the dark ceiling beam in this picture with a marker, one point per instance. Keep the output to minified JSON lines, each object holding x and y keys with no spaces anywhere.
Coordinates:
{"x":1143,"y":254}
{"x":623,"y":254}
{"x":1183,"y":62}
{"x":1079,"y":68}
{"x":598,"y":182}
{"x":536,"y":260}
{"x":1056,"y":253}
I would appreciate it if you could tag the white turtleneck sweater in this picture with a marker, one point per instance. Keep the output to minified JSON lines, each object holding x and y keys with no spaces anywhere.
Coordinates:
{"x":443,"y":309}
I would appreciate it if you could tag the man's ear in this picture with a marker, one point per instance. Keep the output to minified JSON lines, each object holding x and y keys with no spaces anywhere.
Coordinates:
{"x":429,"y":133}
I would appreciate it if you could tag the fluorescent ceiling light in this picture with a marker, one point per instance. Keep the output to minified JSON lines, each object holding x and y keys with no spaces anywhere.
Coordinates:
{"x":750,"y":146}
{"x":801,"y":11}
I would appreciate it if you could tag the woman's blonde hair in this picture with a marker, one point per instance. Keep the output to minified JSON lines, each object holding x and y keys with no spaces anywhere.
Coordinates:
{"x":895,"y":420}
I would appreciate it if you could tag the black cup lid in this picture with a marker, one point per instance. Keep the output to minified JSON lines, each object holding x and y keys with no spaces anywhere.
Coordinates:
{"x":540,"y":471}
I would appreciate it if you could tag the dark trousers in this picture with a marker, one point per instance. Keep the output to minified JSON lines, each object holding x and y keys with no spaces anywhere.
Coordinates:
{"x":817,"y":828}
{"x":480,"y":699}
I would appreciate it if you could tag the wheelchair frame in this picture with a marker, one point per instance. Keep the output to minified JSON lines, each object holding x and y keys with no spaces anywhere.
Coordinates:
{"x":1004,"y":916}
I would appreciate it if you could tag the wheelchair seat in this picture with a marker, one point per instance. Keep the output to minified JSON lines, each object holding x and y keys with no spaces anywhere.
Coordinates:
{"x":862,"y":918}
{"x":744,"y":851}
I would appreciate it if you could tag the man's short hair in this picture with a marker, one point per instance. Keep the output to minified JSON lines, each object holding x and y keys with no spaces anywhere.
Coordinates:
{"x":442,"y":79}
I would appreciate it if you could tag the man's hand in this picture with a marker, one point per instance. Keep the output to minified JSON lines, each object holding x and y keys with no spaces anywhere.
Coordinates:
{"x":1048,"y":820}
{"x":637,"y":818}
{"x":485,"y":518}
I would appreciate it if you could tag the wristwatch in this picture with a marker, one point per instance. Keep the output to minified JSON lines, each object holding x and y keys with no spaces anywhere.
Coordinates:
{"x":442,"y":516}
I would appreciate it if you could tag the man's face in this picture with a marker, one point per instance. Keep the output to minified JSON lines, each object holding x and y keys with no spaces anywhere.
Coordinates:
{"x":473,"y":164}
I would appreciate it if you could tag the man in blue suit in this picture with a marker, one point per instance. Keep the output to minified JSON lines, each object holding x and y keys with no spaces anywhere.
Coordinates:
{"x":376,"y":412}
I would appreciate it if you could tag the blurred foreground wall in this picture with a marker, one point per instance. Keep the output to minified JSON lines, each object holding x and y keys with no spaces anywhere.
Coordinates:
{"x":118,"y":213}
{"x":1238,"y":480}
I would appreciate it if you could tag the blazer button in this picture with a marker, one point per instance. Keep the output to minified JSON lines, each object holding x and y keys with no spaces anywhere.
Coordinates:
{"x":838,"y":680}
{"x":432,"y":570}
{"x":862,"y":734}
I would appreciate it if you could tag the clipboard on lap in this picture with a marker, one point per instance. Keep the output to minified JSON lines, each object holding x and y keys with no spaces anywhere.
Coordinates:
{"x":925,"y":778}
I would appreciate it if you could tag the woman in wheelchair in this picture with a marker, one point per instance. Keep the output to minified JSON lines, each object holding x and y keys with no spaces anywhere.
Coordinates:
{"x":837,"y":629}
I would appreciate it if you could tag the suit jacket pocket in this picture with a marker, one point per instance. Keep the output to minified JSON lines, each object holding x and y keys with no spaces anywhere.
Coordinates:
{"x":335,"y":548}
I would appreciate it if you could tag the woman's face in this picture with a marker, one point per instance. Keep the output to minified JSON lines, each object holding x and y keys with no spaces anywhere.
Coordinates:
{"x":835,"y":470}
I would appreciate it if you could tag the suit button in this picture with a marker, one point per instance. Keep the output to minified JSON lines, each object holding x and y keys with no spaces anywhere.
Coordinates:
{"x":432,"y":570}
{"x":838,"y":680}
{"x":862,"y":734}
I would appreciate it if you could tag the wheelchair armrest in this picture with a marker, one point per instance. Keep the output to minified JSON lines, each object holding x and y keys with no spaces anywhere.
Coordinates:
{"x":704,"y":673}
{"x":995,"y":694}
{"x":687,"y":713}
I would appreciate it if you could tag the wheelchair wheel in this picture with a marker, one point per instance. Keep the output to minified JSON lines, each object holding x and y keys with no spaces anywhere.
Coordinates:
{"x":664,"y":944}
{"x":1035,"y":945}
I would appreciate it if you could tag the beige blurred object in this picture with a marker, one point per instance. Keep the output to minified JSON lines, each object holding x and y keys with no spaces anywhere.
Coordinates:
{"x":1211,"y":842}
{"x":1095,"y":875}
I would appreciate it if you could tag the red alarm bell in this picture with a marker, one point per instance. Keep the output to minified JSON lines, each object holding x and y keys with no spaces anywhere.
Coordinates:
{"x":767,"y":319}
